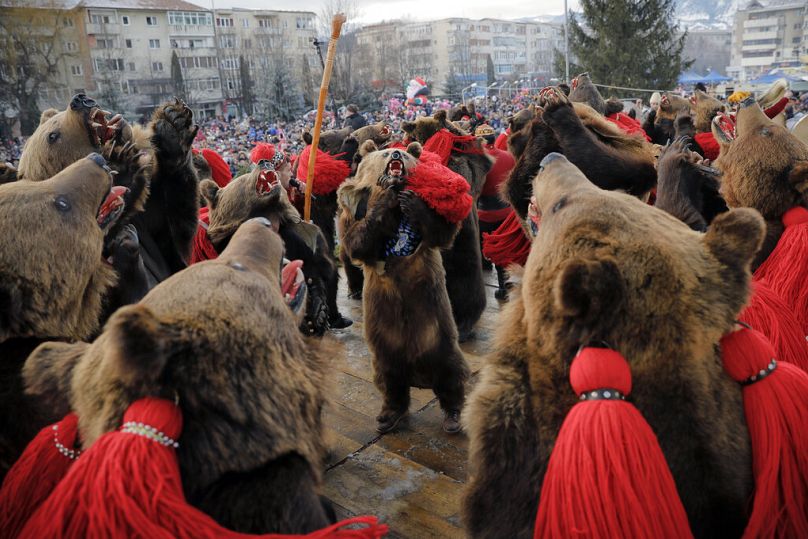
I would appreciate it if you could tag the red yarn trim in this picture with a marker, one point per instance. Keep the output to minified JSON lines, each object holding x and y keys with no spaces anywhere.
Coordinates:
{"x":708,"y":145}
{"x":443,"y":190}
{"x":329,"y":172}
{"x":508,"y":244}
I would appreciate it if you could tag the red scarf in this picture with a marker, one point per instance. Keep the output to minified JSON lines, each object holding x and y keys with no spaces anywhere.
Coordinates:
{"x":202,"y":247}
{"x":443,"y":190}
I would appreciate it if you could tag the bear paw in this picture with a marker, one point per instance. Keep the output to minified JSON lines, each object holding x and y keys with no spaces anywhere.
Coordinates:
{"x":125,"y":249}
{"x":8,"y":173}
{"x":407,"y":201}
{"x":316,"y":320}
{"x":174,"y":130}
{"x":552,"y":97}
{"x":389,"y":182}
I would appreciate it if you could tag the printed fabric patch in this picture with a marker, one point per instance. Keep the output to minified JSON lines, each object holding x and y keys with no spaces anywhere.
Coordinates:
{"x":405,"y":242}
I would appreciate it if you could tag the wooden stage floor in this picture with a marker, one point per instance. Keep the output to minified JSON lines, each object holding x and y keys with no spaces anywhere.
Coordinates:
{"x":413,"y":478}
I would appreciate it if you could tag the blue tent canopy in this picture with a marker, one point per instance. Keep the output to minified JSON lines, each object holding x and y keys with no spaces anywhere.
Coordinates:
{"x":771,"y":77}
{"x":691,"y":77}
{"x":714,"y":77}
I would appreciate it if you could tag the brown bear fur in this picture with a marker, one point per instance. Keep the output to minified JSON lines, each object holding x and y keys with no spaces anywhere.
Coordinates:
{"x":765,"y":167}
{"x":606,"y":267}
{"x":660,"y":124}
{"x":52,"y":281}
{"x":408,"y":324}
{"x":587,"y":93}
{"x":609,"y":158}
{"x":249,"y":387}
{"x":240,"y":200}
{"x":463,"y":261}
{"x":705,"y":109}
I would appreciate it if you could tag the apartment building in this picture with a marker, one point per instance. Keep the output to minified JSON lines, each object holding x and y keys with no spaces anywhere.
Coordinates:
{"x":397,"y":51}
{"x":709,"y":48}
{"x":765,"y":35}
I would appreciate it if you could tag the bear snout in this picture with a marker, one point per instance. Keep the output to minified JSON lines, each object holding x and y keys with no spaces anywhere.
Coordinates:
{"x":550,"y":157}
{"x":82,"y":102}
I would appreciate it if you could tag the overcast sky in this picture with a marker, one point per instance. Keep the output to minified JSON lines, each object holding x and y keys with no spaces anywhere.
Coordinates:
{"x":375,"y":10}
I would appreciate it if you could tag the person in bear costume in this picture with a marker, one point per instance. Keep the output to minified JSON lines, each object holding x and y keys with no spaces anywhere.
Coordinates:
{"x":404,"y":212}
{"x":249,"y":386}
{"x":53,"y":279}
{"x":606,"y":269}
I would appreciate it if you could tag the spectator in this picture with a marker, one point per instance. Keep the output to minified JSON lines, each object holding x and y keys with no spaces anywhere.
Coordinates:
{"x":354,"y":120}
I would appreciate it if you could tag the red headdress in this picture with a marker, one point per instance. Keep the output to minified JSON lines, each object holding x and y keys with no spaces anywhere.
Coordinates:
{"x":329,"y":171}
{"x":218,"y":168}
{"x":443,"y":190}
{"x":444,"y":142}
{"x":128,"y":484}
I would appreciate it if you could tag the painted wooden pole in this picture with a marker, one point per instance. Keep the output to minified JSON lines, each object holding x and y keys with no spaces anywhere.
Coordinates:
{"x":336,"y":28}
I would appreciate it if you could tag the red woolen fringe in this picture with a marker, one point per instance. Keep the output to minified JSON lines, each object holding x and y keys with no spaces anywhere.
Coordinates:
{"x":508,"y":244}
{"x":443,"y":190}
{"x":202,"y":249}
{"x":786,"y":268}
{"x":628,"y":125}
{"x":607,"y":476}
{"x":35,"y":474}
{"x":444,"y":142}
{"x":128,"y":485}
{"x":329,"y":172}
{"x":769,"y":314}
{"x":502,"y":140}
{"x":708,"y":145}
{"x":776,"y":408}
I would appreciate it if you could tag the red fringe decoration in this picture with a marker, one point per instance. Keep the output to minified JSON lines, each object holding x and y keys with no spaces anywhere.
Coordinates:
{"x":769,"y":314}
{"x":786,"y":268}
{"x":219,"y":170}
{"x":329,"y":172}
{"x":776,"y":408}
{"x":628,"y":125}
{"x":607,"y":476}
{"x":443,"y":190}
{"x":508,"y":244}
{"x":708,"y":145}
{"x":202,"y":248}
{"x":427,"y":156}
{"x":262,"y":151}
{"x":36,"y":473}
{"x":128,"y":485}
{"x":502,"y":140}
{"x":444,"y":142}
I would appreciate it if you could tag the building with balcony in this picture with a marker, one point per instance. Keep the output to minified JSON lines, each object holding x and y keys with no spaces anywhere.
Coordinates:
{"x":765,"y":35}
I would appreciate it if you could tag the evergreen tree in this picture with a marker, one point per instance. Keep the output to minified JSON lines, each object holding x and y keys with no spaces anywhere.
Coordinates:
{"x":308,"y":86}
{"x":452,"y":86}
{"x":177,"y":80}
{"x":631,"y":43}
{"x":247,"y":96}
{"x":489,"y":71}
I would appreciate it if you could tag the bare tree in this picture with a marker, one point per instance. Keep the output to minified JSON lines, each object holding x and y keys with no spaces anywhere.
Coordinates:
{"x":32,"y":53}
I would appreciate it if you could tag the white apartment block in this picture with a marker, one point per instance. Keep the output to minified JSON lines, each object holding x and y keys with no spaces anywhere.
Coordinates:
{"x":765,"y":35}
{"x":397,"y":51}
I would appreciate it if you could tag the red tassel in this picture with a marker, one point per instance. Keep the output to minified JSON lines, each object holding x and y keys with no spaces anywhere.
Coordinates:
{"x":769,"y":314}
{"x":444,"y":142}
{"x":502,"y":140}
{"x":508,"y":244}
{"x":443,"y":190}
{"x":786,"y":268}
{"x":708,"y":145}
{"x":628,"y":125}
{"x":202,"y":249}
{"x":607,"y":476}
{"x":36,"y":473}
{"x":128,"y":485}
{"x":329,"y":172}
{"x":775,"y":401}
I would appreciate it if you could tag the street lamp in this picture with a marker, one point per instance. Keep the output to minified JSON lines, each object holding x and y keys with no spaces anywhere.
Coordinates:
{"x":463,"y":91}
{"x":566,"y":45}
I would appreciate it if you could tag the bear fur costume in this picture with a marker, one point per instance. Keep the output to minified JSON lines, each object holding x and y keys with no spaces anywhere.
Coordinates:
{"x":763,"y":167}
{"x":606,"y":155}
{"x":608,"y":268}
{"x":463,"y":260}
{"x":660,"y":124}
{"x":249,"y":385}
{"x":52,"y":281}
{"x":169,"y":194}
{"x":408,"y":324}
{"x":251,"y":195}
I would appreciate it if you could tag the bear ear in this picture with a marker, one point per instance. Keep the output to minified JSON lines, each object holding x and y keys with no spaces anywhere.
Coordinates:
{"x":589,"y":291}
{"x":367,"y":147}
{"x":415,"y":149}
{"x":48,"y":374}
{"x":47,"y":115}
{"x":440,"y":116}
{"x":798,"y":178}
{"x":136,"y":340}
{"x":307,"y":138}
{"x":408,"y":127}
{"x":209,"y":190}
{"x":734,"y":237}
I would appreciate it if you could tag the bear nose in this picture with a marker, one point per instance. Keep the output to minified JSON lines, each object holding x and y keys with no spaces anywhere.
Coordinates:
{"x":396,"y":154}
{"x":748,"y":102}
{"x":82,"y":102}
{"x":98,"y":160}
{"x":550,"y":157}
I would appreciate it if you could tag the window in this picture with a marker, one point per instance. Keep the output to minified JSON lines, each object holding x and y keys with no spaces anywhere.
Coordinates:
{"x":231,"y":84}
{"x":151,"y":21}
{"x":130,"y":66}
{"x":265,"y":23}
{"x":75,"y":70}
{"x":154,"y":43}
{"x":157,"y":66}
{"x":108,"y":64}
{"x":190,"y":18}
{"x":71,"y":46}
{"x":101,"y":18}
{"x":246,"y":43}
{"x":125,"y":20}
{"x":796,"y":39}
{"x":224,"y":22}
{"x":125,"y":87}
{"x":68,"y":22}
{"x":105,"y":44}
{"x":128,"y":43}
{"x":230,"y":63}
{"x":227,"y":42}
{"x":245,"y":23}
